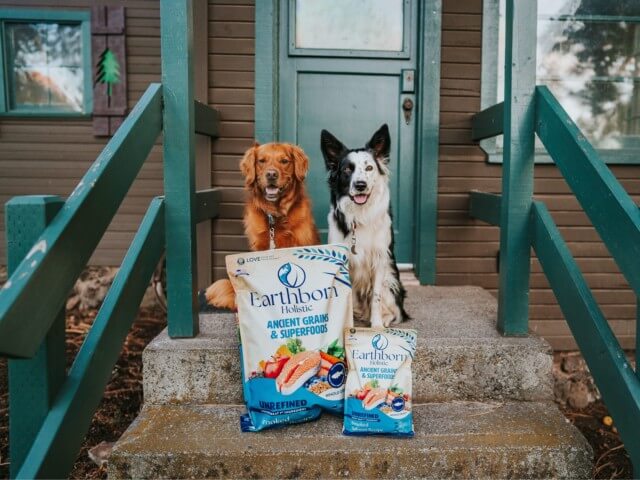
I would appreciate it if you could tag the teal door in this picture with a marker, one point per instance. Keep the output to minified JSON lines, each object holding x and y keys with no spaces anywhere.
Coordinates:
{"x":349,"y":66}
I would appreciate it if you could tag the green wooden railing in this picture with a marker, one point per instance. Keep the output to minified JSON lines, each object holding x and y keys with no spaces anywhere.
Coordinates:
{"x":614,"y":215}
{"x":524,"y":223}
{"x":50,"y":241}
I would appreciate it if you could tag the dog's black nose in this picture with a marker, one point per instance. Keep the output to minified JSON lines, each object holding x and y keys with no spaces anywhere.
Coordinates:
{"x":360,"y":186}
{"x":272,"y":175}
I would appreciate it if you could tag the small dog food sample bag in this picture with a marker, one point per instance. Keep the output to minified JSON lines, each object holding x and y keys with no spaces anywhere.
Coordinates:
{"x":378,"y":390}
{"x":293,"y":307}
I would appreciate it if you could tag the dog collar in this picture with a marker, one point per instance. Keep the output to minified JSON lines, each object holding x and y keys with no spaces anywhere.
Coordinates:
{"x":272,"y":231}
{"x":353,"y":238}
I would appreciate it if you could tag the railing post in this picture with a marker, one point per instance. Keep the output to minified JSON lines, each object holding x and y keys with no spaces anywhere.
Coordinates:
{"x":33,"y":383}
{"x":176,"y":22}
{"x":517,"y":175}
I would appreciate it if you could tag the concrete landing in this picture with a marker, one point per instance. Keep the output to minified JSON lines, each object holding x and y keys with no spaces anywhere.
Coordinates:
{"x":460,"y":355}
{"x":453,"y":440}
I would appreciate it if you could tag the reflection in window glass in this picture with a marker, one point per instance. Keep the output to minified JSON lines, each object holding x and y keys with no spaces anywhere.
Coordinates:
{"x":587,"y":54}
{"x":349,"y":24}
{"x":44,"y":66}
{"x":588,"y":7}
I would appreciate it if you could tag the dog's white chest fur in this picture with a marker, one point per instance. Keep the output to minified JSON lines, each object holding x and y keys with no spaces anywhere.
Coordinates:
{"x":372,"y":271}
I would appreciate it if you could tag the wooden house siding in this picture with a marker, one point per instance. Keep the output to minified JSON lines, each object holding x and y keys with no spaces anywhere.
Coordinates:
{"x":467,"y":249}
{"x":50,"y":155}
{"x":231,"y":91}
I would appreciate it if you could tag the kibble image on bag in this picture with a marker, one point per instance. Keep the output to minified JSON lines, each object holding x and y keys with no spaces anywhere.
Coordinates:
{"x":293,"y":306}
{"x":378,"y":390}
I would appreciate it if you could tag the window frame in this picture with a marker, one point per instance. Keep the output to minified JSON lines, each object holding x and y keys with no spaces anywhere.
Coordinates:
{"x":83,"y":18}
{"x":489,"y":94}
{"x":325,"y":52}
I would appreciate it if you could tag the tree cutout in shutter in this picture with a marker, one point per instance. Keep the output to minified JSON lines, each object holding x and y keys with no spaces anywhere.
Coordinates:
{"x":108,"y":71}
{"x":108,"y":50}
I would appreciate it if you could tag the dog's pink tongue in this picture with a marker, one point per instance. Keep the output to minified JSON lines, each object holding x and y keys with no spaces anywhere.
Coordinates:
{"x":360,"y":199}
{"x":271,"y":190}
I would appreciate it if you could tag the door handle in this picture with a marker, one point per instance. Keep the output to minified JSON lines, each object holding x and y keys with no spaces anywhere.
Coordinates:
{"x":407,"y":108}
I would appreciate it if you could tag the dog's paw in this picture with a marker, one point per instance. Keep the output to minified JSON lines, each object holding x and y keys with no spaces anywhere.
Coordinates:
{"x":377,"y":322}
{"x":392,"y":320}
{"x":222,"y":295}
{"x":392,"y":316}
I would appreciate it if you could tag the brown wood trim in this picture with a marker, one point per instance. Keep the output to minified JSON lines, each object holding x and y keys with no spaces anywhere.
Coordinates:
{"x":107,"y":20}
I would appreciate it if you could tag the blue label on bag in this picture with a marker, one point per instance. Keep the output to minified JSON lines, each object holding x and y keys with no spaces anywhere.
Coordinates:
{"x":358,"y":421}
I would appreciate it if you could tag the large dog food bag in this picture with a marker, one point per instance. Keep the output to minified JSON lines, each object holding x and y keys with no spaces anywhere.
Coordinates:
{"x":378,"y":390}
{"x":293,"y":307}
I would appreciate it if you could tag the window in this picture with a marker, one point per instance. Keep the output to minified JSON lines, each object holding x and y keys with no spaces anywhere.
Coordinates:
{"x":349,"y":24}
{"x":349,"y":28}
{"x":588,"y":54}
{"x":45,"y":55}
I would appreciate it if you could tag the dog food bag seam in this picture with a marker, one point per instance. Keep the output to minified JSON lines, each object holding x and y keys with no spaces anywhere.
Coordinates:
{"x":378,"y":390}
{"x":293,"y":307}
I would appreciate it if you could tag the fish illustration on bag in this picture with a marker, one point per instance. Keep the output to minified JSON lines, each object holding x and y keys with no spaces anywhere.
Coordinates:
{"x":297,"y":371}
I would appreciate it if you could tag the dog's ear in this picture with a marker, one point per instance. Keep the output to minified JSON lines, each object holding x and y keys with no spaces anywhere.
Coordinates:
{"x":332,"y":149}
{"x":380,"y":144}
{"x":300,"y":162}
{"x":248,"y":164}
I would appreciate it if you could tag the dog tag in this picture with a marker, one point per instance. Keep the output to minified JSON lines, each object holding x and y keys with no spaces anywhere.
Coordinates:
{"x":353,"y":242}
{"x":272,"y":232}
{"x":353,"y":239}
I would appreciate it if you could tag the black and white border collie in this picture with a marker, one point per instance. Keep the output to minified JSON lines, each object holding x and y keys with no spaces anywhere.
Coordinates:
{"x":360,"y":215}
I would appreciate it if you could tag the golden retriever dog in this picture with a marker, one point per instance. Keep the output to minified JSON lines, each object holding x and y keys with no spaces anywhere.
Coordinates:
{"x":274,"y":181}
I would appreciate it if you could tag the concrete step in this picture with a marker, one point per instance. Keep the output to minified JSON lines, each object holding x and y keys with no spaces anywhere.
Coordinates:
{"x":460,"y":355}
{"x":453,"y":440}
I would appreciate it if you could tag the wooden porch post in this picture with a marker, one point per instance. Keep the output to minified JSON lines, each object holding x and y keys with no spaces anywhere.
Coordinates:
{"x":517,"y":177}
{"x":203,"y":142}
{"x":176,"y":22}
{"x":428,"y":115}
{"x":33,"y":383}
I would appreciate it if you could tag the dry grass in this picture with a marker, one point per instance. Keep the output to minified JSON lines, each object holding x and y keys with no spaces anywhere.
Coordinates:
{"x":122,"y":398}
{"x":611,"y":460}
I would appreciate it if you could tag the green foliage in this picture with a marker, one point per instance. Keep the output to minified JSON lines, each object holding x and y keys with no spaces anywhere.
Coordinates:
{"x":295,"y":345}
{"x":396,"y":389}
{"x":335,"y":349}
{"x":108,"y":70}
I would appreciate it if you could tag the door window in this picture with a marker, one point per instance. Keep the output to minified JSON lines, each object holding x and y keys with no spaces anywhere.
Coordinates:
{"x":349,"y":27}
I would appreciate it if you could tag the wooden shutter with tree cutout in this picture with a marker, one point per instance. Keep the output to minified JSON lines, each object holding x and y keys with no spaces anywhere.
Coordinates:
{"x":109,"y":69}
